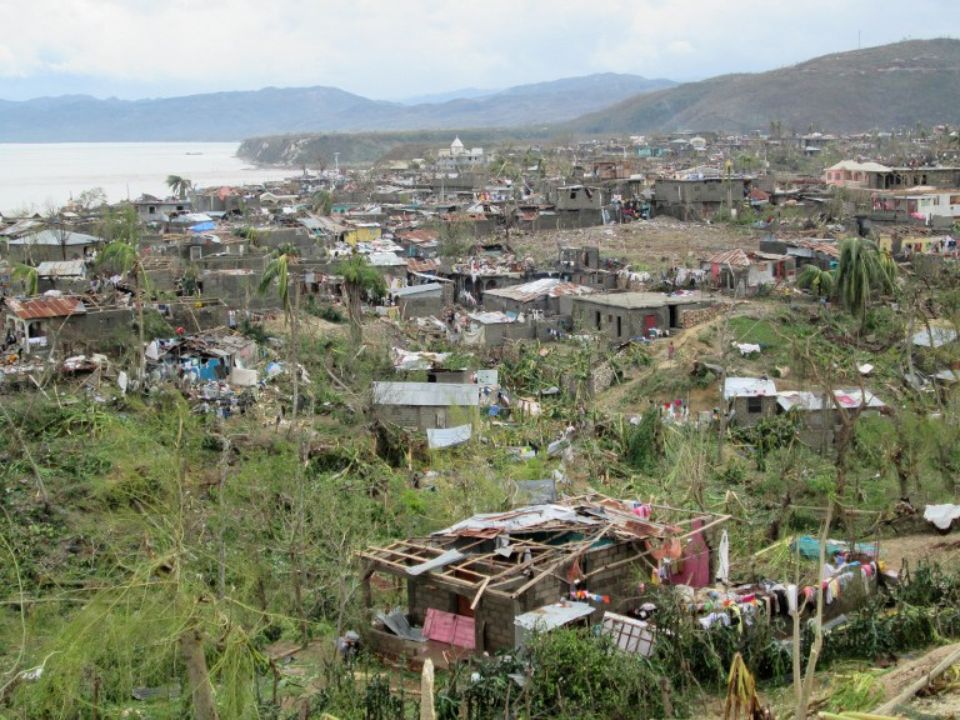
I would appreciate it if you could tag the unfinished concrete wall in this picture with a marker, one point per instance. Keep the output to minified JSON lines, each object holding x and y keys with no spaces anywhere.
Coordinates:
{"x":749,"y":411}
{"x":424,"y":417}
{"x":423,"y":595}
{"x":196,"y":319}
{"x":414,"y":307}
{"x":618,"y":582}
{"x":618,"y":323}
{"x":91,"y":332}
{"x":494,"y":623}
{"x":817,"y":429}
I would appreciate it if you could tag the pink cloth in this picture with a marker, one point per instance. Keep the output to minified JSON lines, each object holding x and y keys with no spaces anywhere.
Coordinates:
{"x":696,"y":561}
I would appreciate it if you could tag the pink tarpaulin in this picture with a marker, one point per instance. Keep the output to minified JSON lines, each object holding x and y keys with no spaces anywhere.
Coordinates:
{"x":449,"y":628}
{"x":695,"y":570}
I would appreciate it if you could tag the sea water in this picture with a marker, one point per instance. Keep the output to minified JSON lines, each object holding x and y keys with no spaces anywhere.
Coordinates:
{"x":38,"y":177}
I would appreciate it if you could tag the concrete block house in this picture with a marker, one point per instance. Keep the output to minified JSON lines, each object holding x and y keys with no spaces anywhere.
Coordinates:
{"x":425,"y":405}
{"x":467,"y":585}
{"x":627,"y":315}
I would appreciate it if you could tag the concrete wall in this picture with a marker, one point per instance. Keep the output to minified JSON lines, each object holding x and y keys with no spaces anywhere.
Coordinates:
{"x":744,"y":418}
{"x":494,"y":616}
{"x":194,"y":319}
{"x":414,"y":307}
{"x":92,"y":331}
{"x":496,"y":334}
{"x":36,"y":254}
{"x":579,"y":198}
{"x":424,"y":417}
{"x":817,"y":429}
{"x":591,"y":317}
{"x":237,"y":290}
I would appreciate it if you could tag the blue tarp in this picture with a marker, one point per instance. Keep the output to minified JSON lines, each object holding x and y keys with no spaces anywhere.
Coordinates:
{"x":203,"y":227}
{"x":809,"y":547}
{"x":209,"y":370}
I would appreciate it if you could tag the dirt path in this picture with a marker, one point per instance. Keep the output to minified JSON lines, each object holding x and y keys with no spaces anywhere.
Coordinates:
{"x":943,"y":549}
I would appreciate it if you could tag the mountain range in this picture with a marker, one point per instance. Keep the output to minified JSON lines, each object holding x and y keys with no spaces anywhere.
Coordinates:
{"x":236,"y":115}
{"x":888,"y":86}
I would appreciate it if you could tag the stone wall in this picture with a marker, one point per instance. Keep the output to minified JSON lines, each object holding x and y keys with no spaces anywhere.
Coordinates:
{"x":696,"y":316}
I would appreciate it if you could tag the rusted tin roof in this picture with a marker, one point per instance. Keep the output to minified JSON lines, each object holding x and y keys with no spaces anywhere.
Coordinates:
{"x":46,"y":307}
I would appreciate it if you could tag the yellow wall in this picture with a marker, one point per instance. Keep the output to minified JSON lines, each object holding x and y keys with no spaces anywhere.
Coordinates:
{"x":361,"y":234}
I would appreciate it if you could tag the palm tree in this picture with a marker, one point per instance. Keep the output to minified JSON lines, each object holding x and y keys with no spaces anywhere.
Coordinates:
{"x":359,"y":279}
{"x":28,"y":275}
{"x":818,"y":280}
{"x":863,"y":271}
{"x":322,"y":202}
{"x":121,"y":255}
{"x":278,"y":269}
{"x":178,"y":185}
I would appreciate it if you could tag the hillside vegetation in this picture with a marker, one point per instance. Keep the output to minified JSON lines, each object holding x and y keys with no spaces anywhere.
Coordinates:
{"x":883,"y":87}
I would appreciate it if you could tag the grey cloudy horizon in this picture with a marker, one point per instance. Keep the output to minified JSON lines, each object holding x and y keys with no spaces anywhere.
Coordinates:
{"x":387,"y":50}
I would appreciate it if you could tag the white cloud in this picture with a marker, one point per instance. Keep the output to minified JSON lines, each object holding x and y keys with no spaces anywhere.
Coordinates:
{"x":389,"y":49}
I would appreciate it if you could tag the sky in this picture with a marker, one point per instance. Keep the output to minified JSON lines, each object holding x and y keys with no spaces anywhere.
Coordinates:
{"x":387,"y":49}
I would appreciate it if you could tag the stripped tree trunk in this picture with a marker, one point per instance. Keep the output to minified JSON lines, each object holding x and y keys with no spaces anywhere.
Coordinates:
{"x":427,"y":711}
{"x":201,"y":690}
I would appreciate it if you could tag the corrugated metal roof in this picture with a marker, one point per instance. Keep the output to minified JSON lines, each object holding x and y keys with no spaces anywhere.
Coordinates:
{"x":385,"y":260}
{"x":20,"y":227}
{"x":418,"y":265}
{"x":800,"y":399}
{"x":748,"y":387}
{"x":735,"y":258}
{"x":61,"y":268}
{"x":46,"y":307}
{"x":52,"y":237}
{"x":545,"y":287}
{"x":524,"y":518}
{"x":856,"y":398}
{"x":553,"y":616}
{"x":425,"y":289}
{"x":426,"y":394}
{"x":641,"y":300}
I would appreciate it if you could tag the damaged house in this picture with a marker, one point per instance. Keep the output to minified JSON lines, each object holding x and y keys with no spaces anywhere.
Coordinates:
{"x":749,"y":400}
{"x":745,"y":273}
{"x":425,"y":405}
{"x":548,"y":296}
{"x":35,"y":322}
{"x":820,"y":415}
{"x":628,"y":315}
{"x":474,"y":586}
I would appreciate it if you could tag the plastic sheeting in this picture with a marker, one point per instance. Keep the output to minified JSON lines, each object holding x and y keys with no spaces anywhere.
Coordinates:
{"x":448,"y":437}
{"x":723,"y":558}
{"x":941,"y":516}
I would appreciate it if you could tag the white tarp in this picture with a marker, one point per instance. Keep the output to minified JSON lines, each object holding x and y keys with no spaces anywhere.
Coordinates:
{"x":723,"y":559}
{"x":448,"y":437}
{"x":942,"y":516}
{"x":243,"y":377}
{"x":488,"y":377}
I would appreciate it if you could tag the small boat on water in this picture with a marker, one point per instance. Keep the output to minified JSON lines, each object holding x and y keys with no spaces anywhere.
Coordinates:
{"x":194,"y":153}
